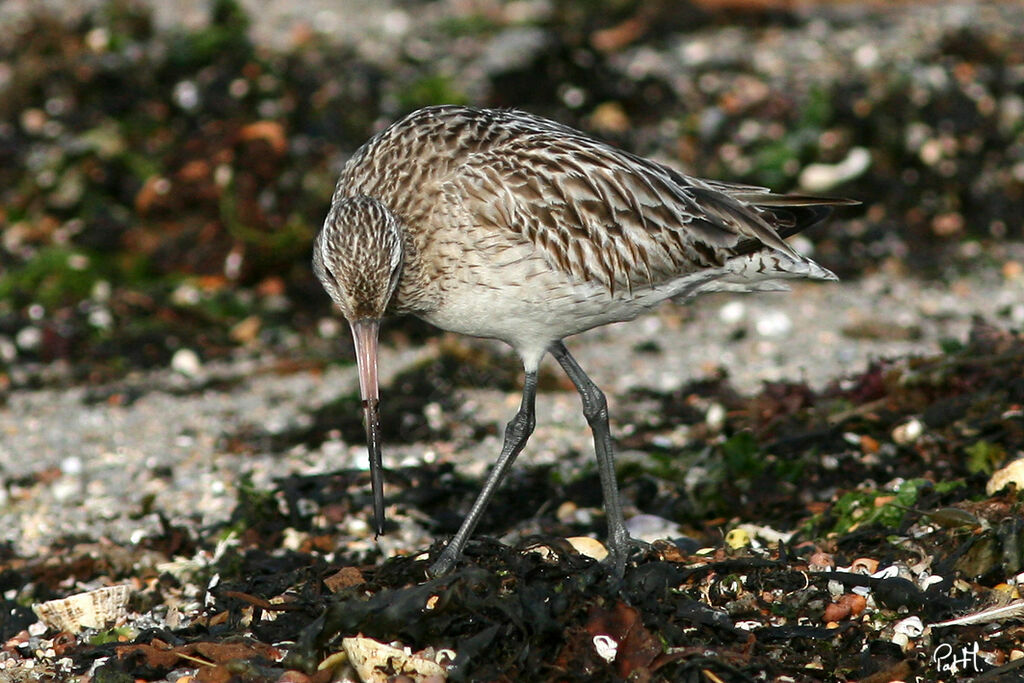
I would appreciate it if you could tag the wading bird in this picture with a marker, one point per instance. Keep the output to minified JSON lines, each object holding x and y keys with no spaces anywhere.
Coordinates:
{"x":502,"y":224}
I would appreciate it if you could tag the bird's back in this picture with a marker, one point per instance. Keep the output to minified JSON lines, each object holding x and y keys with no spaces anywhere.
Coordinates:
{"x":597,"y":214}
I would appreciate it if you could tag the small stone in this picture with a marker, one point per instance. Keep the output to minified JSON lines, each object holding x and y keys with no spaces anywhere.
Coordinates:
{"x":98,"y":39}
{"x":71,"y":465}
{"x":836,"y":612}
{"x":823,"y":177}
{"x":773,"y":324}
{"x":821,"y":561}
{"x":186,"y":361}
{"x":33,"y":120}
{"x":270,"y":132}
{"x":715,"y":417}
{"x":650,"y":528}
{"x":246,"y":330}
{"x":185,"y":295}
{"x":610,"y":117}
{"x":908,"y":432}
{"x":8,"y":349}
{"x":545,"y":552}
{"x":566,"y":512}
{"x":737,"y":538}
{"x":1001,"y":478}
{"x":948,"y":224}
{"x":377,"y":662}
{"x":346,"y":577}
{"x":732,"y":312}
{"x":28,"y":338}
{"x":856,"y":603}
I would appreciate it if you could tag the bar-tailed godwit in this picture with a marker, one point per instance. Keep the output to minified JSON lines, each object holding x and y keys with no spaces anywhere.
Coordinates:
{"x":502,"y":224}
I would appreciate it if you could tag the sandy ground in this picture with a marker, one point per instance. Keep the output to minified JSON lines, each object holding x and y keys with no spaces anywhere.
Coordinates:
{"x":74,"y":465}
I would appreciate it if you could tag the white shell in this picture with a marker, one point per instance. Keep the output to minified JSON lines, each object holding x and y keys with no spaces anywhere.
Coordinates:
{"x":607,"y":647}
{"x":93,"y":609}
{"x":376,"y":662}
{"x":591,"y":547}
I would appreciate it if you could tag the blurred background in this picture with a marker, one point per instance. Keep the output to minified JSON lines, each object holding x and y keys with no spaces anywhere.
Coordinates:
{"x":163,"y":169}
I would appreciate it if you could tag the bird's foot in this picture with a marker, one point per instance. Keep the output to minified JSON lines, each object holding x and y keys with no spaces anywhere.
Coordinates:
{"x":444,"y":563}
{"x":620,"y":548}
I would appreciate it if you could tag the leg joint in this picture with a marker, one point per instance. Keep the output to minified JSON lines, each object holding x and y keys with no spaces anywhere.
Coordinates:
{"x":520,"y":427}
{"x":595,"y":405}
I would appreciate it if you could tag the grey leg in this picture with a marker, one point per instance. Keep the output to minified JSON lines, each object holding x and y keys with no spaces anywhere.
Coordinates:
{"x":595,"y":409}
{"x":517,"y":432}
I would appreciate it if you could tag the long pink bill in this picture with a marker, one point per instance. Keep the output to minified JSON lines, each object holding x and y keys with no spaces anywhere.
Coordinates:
{"x":364,"y":334}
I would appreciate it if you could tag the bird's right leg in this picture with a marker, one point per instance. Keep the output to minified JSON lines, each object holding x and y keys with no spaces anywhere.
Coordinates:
{"x":517,"y":432}
{"x":595,"y":409}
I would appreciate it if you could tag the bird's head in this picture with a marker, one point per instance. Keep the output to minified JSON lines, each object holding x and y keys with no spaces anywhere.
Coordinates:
{"x":358,"y":259}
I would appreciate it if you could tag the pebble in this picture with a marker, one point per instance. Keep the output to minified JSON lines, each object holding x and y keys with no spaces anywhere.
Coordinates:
{"x":247,"y":329}
{"x":28,"y":338}
{"x":773,"y":323}
{"x":1001,"y":478}
{"x":835,"y":612}
{"x":8,"y":349}
{"x":71,"y":465}
{"x":715,"y":417}
{"x":186,"y":361}
{"x":821,"y":561}
{"x":737,"y":538}
{"x":732,"y":312}
{"x":651,"y":528}
{"x":908,"y":432}
{"x":824,"y":177}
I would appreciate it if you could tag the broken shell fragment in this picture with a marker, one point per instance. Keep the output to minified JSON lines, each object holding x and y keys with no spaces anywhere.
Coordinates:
{"x":607,"y":647}
{"x":591,"y":547}
{"x":864,"y":565}
{"x":93,"y":609}
{"x":376,"y":662}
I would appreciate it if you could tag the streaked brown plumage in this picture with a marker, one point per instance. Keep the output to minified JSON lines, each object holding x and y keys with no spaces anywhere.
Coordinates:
{"x":502,"y":224}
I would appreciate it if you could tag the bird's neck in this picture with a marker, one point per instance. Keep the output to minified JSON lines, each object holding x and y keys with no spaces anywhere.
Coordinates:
{"x":410,"y":295}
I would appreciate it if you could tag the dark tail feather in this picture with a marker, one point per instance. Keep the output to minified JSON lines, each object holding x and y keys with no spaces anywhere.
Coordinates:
{"x":789,"y":214}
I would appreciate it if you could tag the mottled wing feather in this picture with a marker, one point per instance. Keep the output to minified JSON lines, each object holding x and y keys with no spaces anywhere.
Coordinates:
{"x":604,"y":215}
{"x":595,"y":212}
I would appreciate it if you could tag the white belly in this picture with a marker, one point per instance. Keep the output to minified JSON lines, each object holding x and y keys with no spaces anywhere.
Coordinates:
{"x":525,"y":304}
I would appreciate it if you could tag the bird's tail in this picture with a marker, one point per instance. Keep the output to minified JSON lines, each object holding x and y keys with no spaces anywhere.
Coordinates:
{"x":787,"y":213}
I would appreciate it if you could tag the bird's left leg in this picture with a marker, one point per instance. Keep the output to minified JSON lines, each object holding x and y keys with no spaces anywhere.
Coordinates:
{"x":595,"y":409}
{"x":517,"y":432}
